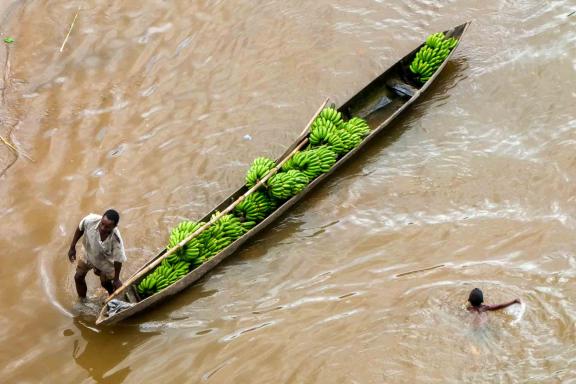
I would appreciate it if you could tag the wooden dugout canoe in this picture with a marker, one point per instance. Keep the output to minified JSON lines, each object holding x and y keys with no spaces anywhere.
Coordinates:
{"x":380,"y":102}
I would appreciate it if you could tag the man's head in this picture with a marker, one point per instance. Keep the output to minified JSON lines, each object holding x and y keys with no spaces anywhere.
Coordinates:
{"x":476,"y":297}
{"x":108,"y":222}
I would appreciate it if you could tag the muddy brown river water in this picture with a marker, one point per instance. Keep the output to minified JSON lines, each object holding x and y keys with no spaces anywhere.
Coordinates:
{"x":157,"y":108}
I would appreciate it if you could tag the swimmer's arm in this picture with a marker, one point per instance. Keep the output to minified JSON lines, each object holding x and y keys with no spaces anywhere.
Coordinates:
{"x":496,"y":307}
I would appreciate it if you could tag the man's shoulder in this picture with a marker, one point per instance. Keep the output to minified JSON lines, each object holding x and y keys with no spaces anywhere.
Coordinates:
{"x":116,"y":235}
{"x":91,"y":217}
{"x":89,"y":220}
{"x":117,"y":239}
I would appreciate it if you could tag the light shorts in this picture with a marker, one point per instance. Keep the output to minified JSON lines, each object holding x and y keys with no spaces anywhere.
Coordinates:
{"x":85,"y":266}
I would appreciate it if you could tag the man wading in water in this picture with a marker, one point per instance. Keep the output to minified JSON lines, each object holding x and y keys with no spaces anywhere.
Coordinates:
{"x":104,"y":251}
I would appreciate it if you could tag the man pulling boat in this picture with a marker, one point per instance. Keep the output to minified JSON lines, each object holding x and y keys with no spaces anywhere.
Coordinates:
{"x":104,"y":251}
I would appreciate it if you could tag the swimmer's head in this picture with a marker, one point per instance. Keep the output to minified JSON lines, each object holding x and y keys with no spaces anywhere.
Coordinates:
{"x":476,"y":297}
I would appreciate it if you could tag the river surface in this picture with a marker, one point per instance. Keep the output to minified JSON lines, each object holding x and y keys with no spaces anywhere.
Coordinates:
{"x":157,"y":108}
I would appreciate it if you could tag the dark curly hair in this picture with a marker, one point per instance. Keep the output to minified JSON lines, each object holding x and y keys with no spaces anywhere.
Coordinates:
{"x":112,"y":215}
{"x":476,"y":297}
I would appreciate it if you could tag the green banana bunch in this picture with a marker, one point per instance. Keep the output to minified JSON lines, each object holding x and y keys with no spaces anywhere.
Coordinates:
{"x":259,"y":168}
{"x":357,"y":126}
{"x":248,"y":225}
{"x":322,"y":122}
{"x":327,"y":157}
{"x":431,"y":56}
{"x":180,"y":232}
{"x":284,"y":185}
{"x":255,"y":207}
{"x":300,"y":180}
{"x":280,"y":186}
{"x":163,"y":276}
{"x":330,"y":129}
{"x":305,"y":161}
{"x":438,"y":40}
{"x":191,"y":249}
{"x":326,"y":134}
{"x":332,"y":115}
{"x":215,"y":245}
{"x":146,"y":286}
{"x":172,"y":275}
{"x":349,"y":140}
{"x":231,"y":226}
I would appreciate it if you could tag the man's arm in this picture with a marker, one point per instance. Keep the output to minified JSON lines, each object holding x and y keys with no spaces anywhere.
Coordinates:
{"x":117,"y":267}
{"x":72,"y":251}
{"x":119,"y":258}
{"x":496,"y":307}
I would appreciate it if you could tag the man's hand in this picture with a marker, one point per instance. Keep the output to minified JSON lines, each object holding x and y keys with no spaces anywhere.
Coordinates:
{"x":117,"y":283}
{"x":72,"y":255}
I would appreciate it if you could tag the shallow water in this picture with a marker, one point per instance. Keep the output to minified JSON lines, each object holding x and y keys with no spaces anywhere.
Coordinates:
{"x":157,"y":108}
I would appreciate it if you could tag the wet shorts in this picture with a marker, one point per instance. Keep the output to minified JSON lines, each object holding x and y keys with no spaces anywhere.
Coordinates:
{"x":85,"y":266}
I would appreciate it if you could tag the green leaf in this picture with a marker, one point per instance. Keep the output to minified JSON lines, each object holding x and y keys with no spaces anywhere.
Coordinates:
{"x":9,"y":40}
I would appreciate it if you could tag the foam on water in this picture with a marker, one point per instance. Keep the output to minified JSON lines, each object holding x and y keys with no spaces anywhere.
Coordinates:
{"x":516,"y":311}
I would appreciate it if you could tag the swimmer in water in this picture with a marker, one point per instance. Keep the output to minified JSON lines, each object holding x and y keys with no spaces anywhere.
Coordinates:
{"x":476,"y":299}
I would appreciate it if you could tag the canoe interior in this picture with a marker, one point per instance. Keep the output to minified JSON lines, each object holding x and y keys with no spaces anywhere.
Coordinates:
{"x":379,"y":103}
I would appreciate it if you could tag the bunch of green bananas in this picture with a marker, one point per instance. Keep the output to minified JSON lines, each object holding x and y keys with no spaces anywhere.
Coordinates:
{"x":284,"y":185}
{"x":431,"y":56}
{"x":349,"y":140}
{"x":327,"y":157}
{"x":215,"y":245}
{"x":259,"y":168}
{"x":248,"y":225}
{"x":358,"y":127}
{"x":218,"y":236}
{"x":439,"y":40}
{"x":163,"y":276}
{"x":191,"y":250}
{"x":323,"y":122}
{"x":331,"y":130}
{"x":306,"y":161}
{"x":312,"y":162}
{"x":332,"y":115}
{"x":324,"y":132}
{"x":177,"y":264}
{"x":231,"y":226}
{"x":255,"y":207}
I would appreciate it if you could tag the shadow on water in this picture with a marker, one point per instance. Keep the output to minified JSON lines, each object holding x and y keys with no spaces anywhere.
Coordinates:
{"x":161,"y":315}
{"x":100,"y":351}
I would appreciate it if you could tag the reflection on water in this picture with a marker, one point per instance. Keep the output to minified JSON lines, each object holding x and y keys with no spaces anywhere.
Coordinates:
{"x":101,"y":352}
{"x":149,"y":108}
